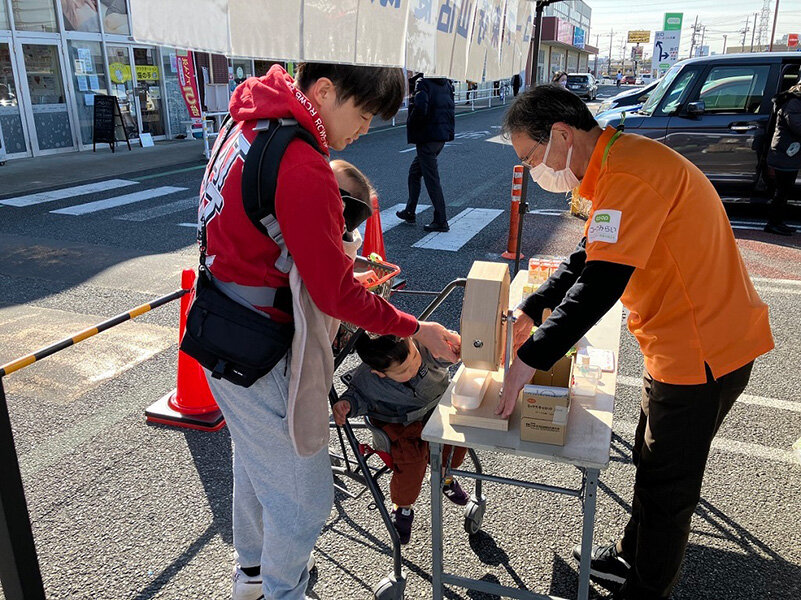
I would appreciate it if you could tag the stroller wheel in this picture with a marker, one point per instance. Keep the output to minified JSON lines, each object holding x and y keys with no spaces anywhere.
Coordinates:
{"x":474,"y":515}
{"x":390,"y":588}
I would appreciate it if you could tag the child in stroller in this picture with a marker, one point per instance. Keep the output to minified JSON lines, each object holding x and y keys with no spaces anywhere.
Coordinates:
{"x":398,"y":386}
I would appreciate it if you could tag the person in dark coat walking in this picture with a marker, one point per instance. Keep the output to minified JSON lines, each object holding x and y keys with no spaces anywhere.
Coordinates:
{"x":430,"y":125}
{"x":784,"y":157}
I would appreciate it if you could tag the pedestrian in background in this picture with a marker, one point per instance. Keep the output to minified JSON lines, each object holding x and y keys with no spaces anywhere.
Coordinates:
{"x":431,"y":123}
{"x":515,"y":83}
{"x":560,"y":78}
{"x":784,"y":157}
{"x":618,"y":78}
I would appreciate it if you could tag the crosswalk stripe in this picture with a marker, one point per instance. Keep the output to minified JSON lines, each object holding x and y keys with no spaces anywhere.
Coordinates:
{"x":744,"y":398}
{"x":70,"y":192}
{"x":389,"y":219}
{"x":90,"y":207}
{"x":192,"y":225}
{"x":161,"y":210}
{"x":464,"y":227}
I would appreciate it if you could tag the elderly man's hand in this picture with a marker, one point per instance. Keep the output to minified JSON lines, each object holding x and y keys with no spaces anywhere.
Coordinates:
{"x":519,"y":374}
{"x":442,"y":343}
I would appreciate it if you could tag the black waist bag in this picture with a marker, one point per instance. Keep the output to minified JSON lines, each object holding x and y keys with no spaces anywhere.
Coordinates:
{"x":232,"y":341}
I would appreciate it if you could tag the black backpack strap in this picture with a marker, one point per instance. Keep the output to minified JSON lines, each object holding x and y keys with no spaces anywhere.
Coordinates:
{"x":260,"y":172}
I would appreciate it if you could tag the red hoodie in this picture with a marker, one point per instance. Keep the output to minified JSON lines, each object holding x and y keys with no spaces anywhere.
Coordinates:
{"x":307,"y":205}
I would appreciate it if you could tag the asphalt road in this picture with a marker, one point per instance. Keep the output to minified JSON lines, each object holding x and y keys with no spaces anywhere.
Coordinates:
{"x":121,"y":509}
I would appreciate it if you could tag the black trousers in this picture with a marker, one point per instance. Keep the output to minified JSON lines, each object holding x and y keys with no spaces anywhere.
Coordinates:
{"x":671,"y":447}
{"x":424,"y":166}
{"x":783,"y":182}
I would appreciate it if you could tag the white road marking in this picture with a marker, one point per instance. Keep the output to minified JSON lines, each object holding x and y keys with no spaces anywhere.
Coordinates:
{"x":192,"y":225}
{"x":727,"y":445}
{"x":389,"y":220}
{"x":776,"y":281}
{"x":775,"y":290}
{"x":161,"y":210}
{"x":464,"y":227}
{"x":90,"y":207}
{"x":744,"y":398}
{"x":70,"y":192}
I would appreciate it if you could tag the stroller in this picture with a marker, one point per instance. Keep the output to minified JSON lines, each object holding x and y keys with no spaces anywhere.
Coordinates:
{"x":352,"y":459}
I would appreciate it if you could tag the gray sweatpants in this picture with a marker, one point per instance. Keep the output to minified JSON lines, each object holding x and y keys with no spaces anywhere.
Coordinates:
{"x":281,"y":501}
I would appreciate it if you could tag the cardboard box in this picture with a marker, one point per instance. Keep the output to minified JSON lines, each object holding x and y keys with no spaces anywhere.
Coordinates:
{"x":534,"y":430}
{"x":545,"y":404}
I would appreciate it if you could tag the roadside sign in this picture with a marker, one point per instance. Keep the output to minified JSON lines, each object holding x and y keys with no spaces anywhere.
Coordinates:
{"x":639,"y":36}
{"x":666,"y":49}
{"x":792,"y":40}
{"x":636,"y":53}
{"x":673,"y":21}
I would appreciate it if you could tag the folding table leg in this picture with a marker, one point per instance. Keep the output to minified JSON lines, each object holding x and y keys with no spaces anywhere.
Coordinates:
{"x":435,"y":451}
{"x":589,"y":494}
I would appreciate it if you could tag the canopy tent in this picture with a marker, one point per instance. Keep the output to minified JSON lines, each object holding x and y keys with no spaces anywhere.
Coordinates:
{"x":458,"y":39}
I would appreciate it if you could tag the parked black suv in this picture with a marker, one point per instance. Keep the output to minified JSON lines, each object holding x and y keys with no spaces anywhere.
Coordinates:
{"x":716,"y":111}
{"x":582,"y":84}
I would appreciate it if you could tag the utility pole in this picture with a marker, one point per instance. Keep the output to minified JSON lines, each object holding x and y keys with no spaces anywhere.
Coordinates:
{"x":773,"y":33}
{"x":692,"y":42}
{"x":611,"y":37}
{"x":703,"y":34}
{"x":744,"y":31}
{"x":595,"y":70}
{"x":753,"y":31}
{"x":724,"y":43}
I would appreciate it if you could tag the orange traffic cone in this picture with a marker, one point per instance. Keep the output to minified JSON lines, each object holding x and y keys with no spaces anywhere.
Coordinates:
{"x":373,"y":235}
{"x":190,"y":404}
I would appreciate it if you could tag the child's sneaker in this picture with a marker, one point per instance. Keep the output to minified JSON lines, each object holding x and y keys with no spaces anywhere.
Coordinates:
{"x":246,"y":587}
{"x":454,"y":492}
{"x":402,"y":520}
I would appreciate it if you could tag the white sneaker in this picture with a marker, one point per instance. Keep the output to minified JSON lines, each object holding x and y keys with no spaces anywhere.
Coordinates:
{"x":246,"y":587}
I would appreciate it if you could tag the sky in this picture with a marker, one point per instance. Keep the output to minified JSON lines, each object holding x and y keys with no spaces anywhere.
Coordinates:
{"x":623,"y":15}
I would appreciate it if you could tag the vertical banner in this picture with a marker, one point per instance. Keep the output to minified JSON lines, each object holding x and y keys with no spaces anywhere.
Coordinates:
{"x":188,"y":83}
{"x":477,"y":51}
{"x":381,"y":35}
{"x":421,"y":40}
{"x":461,"y":44}
{"x":266,"y":29}
{"x":509,"y":43}
{"x":446,"y":17}
{"x":493,"y":71}
{"x":329,"y":30}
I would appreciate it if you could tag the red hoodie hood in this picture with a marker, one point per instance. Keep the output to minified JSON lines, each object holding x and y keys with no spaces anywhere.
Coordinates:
{"x":275,"y":96}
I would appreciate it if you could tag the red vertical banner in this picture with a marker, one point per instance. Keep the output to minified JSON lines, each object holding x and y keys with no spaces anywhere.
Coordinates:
{"x":188,"y":83}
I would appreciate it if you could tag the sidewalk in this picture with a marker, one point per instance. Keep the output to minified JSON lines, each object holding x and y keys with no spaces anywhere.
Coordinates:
{"x":31,"y":175}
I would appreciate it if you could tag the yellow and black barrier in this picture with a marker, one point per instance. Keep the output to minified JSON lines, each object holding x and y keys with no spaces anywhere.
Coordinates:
{"x":19,"y":566}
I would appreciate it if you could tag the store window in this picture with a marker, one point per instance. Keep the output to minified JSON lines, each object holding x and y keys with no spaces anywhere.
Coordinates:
{"x":80,"y":15}
{"x":10,"y":121}
{"x":88,"y":79}
{"x":177,"y":113}
{"x":240,"y":70}
{"x":34,"y":15}
{"x":115,"y":17}
{"x":572,"y":62}
{"x":148,"y":90}
{"x":557,"y":61}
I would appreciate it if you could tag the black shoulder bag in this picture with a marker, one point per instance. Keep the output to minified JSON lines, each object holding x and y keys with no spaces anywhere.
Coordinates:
{"x":233,"y":341}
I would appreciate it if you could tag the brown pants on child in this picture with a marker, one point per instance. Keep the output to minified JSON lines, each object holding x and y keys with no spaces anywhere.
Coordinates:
{"x":410,"y":459}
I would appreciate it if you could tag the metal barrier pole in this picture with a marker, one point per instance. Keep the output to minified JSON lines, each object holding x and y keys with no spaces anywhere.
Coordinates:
{"x":19,"y":566}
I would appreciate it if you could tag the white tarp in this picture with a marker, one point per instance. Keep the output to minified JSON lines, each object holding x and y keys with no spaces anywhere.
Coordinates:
{"x":448,"y":38}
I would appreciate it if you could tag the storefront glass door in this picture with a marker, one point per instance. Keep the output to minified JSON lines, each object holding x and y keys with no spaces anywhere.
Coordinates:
{"x":122,"y":86}
{"x":11,"y":128}
{"x":47,"y":109}
{"x":148,"y":90}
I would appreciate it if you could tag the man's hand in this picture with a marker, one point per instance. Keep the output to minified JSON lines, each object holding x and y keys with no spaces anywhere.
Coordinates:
{"x":341,"y":410}
{"x":518,"y":375}
{"x":522,"y":329}
{"x":442,"y":343}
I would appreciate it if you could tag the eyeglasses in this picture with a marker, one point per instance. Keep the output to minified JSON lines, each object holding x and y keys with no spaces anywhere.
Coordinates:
{"x":528,"y":156}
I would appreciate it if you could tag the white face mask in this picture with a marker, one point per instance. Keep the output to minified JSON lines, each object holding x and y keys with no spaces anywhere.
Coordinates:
{"x":552,"y":180}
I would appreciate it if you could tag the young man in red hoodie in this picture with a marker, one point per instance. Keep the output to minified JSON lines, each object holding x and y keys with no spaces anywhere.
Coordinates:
{"x":281,"y":499}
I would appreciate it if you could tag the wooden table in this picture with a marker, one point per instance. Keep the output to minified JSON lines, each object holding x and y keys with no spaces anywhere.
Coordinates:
{"x":587,"y":444}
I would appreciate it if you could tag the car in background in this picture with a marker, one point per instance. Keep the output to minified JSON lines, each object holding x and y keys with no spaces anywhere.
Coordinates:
{"x":716,"y":111}
{"x":629,"y":98}
{"x":583,"y":85}
{"x":629,"y":79}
